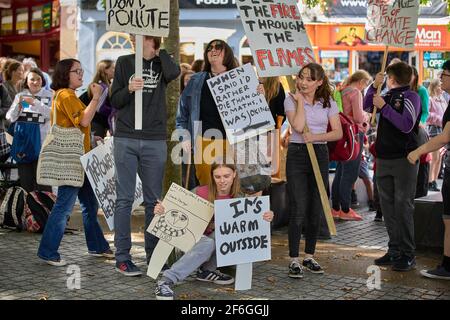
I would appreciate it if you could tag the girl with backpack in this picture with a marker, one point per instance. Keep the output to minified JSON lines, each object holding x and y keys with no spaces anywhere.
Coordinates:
{"x":311,"y":105}
{"x":30,"y":116}
{"x":347,"y":171}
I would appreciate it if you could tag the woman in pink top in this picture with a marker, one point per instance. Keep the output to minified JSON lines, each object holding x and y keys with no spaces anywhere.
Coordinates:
{"x":434,"y":122}
{"x":347,"y":172}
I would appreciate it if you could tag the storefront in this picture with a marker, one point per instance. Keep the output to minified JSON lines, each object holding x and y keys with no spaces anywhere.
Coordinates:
{"x":30,"y":28}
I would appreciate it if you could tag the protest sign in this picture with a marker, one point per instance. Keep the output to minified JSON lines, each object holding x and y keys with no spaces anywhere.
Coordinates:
{"x":141,"y":18}
{"x":392,"y":22}
{"x":277,"y":36}
{"x":242,"y":236}
{"x":185,"y":219}
{"x":100,"y":170}
{"x":138,"y":17}
{"x":244,"y":112}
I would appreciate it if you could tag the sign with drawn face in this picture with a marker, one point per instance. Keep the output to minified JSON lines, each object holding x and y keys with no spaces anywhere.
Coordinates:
{"x":185,"y":219}
{"x":392,"y":22}
{"x":100,"y":170}
{"x":242,"y":236}
{"x":244,"y":112}
{"x":138,"y":17}
{"x":277,"y":36}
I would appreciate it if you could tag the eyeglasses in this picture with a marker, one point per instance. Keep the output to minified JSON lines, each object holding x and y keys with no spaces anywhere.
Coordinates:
{"x":441,"y":75}
{"x":218,"y":47}
{"x":79,"y":72}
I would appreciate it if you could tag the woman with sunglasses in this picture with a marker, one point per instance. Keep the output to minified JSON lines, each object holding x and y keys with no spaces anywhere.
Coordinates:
{"x":310,"y":106}
{"x":71,"y":112}
{"x":197,"y":104}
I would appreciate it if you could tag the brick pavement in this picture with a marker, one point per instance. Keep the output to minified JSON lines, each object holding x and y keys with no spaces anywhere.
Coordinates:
{"x":23,"y":276}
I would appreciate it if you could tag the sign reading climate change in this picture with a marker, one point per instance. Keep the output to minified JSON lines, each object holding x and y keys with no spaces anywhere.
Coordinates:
{"x":100,"y":169}
{"x":138,"y":16}
{"x":244,"y":112}
{"x":242,"y":235}
{"x":277,"y":36}
{"x":392,"y":22}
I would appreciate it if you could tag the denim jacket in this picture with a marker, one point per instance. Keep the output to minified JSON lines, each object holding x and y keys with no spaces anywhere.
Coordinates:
{"x":189,"y":106}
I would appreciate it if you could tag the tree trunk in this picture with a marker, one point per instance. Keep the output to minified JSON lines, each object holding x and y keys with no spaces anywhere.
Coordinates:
{"x":172,"y":45}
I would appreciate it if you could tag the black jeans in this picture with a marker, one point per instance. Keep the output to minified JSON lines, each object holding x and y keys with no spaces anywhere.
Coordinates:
{"x":303,"y":194}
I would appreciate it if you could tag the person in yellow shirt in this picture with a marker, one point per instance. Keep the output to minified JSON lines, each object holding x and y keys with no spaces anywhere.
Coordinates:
{"x":71,"y":112}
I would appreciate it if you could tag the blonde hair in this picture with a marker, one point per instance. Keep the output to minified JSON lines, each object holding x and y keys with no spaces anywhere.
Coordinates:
{"x":271,"y":87}
{"x":100,"y":74}
{"x":358,"y":76}
{"x":212,"y":187}
{"x":432,"y":88}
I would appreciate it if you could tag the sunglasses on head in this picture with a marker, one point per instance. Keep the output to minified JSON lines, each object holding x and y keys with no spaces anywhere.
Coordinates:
{"x":217,"y":46}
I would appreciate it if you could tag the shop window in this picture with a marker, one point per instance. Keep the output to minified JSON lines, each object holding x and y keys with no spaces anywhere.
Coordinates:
{"x":432,"y":65}
{"x":187,"y":52}
{"x":371,"y":61}
{"x":22,"y":21}
{"x":37,"y":24}
{"x":335,"y":64}
{"x":7,"y":22}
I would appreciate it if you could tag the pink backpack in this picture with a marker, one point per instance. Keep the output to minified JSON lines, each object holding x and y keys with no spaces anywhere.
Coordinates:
{"x":347,"y":148}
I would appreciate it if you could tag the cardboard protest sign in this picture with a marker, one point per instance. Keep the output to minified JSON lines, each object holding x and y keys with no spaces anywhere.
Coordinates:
{"x":100,"y":170}
{"x":138,"y":17}
{"x":242,"y":236}
{"x":186,"y":218}
{"x":392,"y":22}
{"x":277,"y":36}
{"x":243,"y":111}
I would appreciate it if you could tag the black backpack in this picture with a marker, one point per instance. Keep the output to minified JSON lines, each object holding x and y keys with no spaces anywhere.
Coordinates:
{"x":14,"y":208}
{"x":40,"y":204}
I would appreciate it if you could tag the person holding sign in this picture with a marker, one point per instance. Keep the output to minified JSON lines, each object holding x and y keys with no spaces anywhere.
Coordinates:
{"x":397,"y":135}
{"x":310,"y":106}
{"x":224,"y":184}
{"x":143,"y":151}
{"x":197,"y":105}
{"x":71,"y":112}
{"x":437,"y":142}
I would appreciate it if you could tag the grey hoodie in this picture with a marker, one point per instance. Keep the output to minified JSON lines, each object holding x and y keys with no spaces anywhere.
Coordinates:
{"x":157,"y":73}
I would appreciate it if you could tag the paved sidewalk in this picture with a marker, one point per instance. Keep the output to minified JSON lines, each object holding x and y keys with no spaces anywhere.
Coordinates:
{"x":24,"y":276}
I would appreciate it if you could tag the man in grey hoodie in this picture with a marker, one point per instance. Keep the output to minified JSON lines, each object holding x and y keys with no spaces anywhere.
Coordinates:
{"x":139,"y":151}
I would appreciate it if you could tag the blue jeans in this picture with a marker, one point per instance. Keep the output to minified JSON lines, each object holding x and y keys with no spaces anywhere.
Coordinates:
{"x":344,"y":178}
{"x":148,"y":159}
{"x":57,"y":220}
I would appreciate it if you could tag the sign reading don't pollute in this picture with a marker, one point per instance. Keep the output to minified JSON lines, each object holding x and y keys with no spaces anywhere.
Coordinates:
{"x":138,"y":16}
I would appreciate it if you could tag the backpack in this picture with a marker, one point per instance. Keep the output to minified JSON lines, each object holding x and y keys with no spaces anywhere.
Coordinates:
{"x":27,"y":138}
{"x":40,"y":204}
{"x":14,"y":208}
{"x":347,"y":148}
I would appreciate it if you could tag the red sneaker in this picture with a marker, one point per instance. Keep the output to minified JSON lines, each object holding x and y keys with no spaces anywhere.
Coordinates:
{"x":351,"y":215}
{"x":336,"y":214}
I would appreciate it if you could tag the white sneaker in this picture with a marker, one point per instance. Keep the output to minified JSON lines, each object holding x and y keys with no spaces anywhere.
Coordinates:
{"x":57,"y":263}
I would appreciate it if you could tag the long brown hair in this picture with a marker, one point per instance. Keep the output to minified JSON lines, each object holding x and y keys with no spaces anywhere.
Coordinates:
{"x":100,"y":74}
{"x":271,"y":87}
{"x":212,"y":188}
{"x":324,"y":91}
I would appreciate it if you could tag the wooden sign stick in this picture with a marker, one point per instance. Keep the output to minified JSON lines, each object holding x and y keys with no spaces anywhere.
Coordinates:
{"x":321,"y":186}
{"x":383,"y":66}
{"x":138,"y":74}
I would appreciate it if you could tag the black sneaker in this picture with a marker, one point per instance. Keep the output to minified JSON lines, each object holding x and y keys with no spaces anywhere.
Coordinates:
{"x":438,"y":273}
{"x":354,"y":199}
{"x":432,"y":186}
{"x":371,"y":206}
{"x":312,"y":265}
{"x":163,"y":291}
{"x":128,"y":268}
{"x":295,"y":270}
{"x":386,"y":260}
{"x":216,"y":277}
{"x":378,"y":216}
{"x":405,"y":263}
